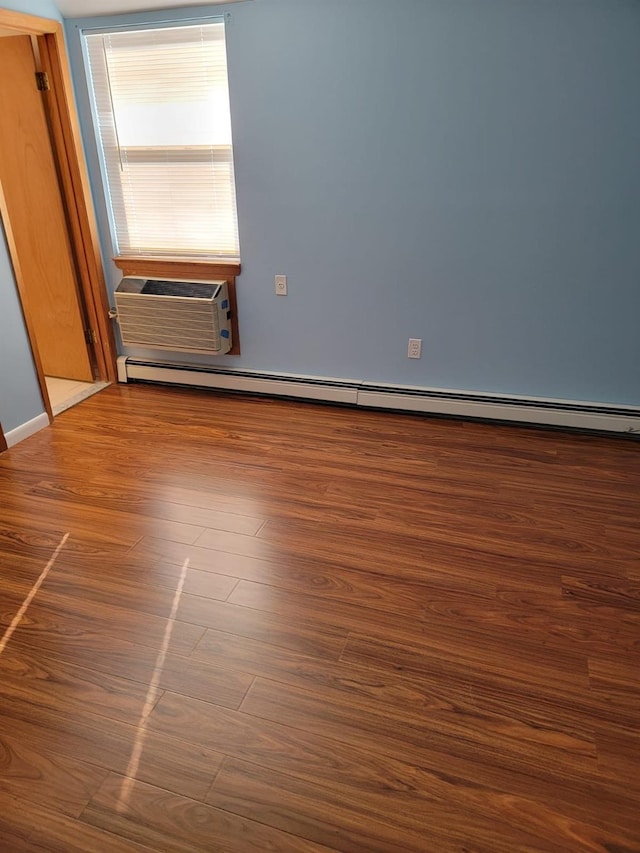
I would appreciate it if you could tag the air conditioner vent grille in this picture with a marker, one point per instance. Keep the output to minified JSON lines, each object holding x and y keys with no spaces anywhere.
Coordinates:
{"x":185,"y":289}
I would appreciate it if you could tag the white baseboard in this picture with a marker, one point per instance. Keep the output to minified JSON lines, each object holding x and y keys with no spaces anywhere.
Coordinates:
{"x":435,"y":401}
{"x":30,"y":428}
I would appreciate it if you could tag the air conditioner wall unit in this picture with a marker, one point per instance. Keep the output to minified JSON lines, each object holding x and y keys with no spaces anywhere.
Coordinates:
{"x":175,"y":315}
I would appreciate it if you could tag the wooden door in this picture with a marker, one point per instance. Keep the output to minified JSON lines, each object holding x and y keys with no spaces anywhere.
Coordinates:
{"x":3,"y":441}
{"x":34,"y":204}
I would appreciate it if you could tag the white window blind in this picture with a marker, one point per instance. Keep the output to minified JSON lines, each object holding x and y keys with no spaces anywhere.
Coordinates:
{"x":161,"y":105}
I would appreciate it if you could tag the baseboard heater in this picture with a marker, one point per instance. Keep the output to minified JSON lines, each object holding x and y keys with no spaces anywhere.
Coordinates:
{"x":433,"y":401}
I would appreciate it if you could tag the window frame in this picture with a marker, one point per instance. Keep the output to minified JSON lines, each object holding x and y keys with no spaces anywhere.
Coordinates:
{"x":218,"y":267}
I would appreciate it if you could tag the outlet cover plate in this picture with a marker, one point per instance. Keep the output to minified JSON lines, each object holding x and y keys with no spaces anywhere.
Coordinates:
{"x":414,"y":349}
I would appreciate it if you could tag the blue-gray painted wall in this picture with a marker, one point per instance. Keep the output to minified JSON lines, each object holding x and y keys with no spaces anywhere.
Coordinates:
{"x":460,"y":171}
{"x":43,"y":8}
{"x":20,"y":399}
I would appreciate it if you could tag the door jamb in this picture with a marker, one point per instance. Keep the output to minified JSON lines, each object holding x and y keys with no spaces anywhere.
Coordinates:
{"x":67,"y":149}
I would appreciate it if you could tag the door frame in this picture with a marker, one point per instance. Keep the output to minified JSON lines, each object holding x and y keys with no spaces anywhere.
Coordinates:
{"x":50,"y":54}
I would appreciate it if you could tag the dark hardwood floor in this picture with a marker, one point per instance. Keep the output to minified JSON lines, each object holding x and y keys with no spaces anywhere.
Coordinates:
{"x":288,"y":627}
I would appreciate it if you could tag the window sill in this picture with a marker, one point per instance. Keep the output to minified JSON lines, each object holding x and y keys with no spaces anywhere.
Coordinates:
{"x":177,"y":267}
{"x":191,"y":270}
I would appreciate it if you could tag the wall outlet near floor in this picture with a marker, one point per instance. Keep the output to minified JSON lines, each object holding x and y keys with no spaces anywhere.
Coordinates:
{"x":281,"y":285}
{"x":414,"y":350}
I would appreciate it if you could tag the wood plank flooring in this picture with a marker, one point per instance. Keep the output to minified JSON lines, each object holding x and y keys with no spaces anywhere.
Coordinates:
{"x":286,"y":627}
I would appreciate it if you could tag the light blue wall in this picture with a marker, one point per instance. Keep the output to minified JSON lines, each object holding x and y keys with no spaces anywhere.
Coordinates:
{"x":460,"y":171}
{"x":20,"y":398}
{"x":43,"y":8}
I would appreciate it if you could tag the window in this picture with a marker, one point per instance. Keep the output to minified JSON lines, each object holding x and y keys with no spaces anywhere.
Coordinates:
{"x":161,"y":106}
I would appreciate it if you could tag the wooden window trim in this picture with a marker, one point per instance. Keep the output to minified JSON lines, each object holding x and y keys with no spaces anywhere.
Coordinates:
{"x":174,"y":267}
{"x":191,"y":270}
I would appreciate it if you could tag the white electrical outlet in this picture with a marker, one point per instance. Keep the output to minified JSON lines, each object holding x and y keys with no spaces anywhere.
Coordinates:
{"x":414,"y":350}
{"x":281,"y":285}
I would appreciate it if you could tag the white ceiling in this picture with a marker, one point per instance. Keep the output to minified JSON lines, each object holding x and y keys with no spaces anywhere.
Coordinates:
{"x":90,"y":8}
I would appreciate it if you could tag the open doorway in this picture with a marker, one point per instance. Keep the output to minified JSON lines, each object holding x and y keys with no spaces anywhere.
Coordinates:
{"x":47,"y":216}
